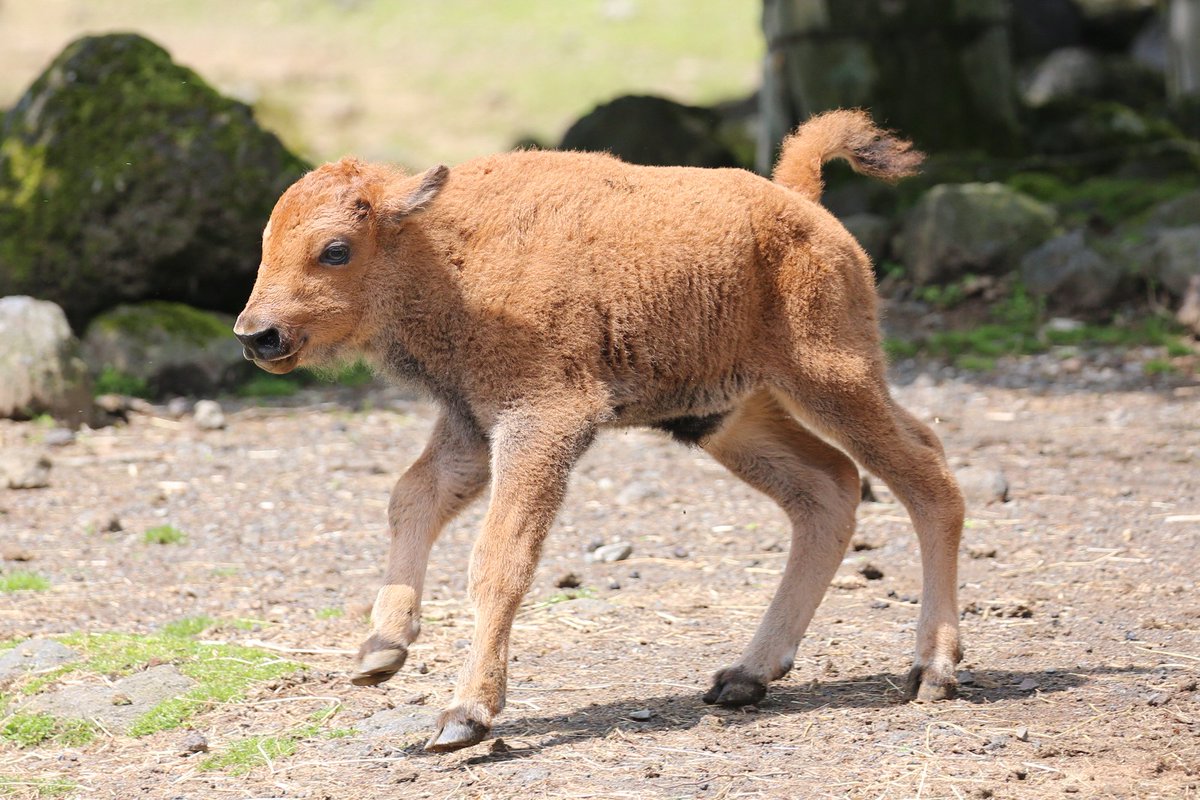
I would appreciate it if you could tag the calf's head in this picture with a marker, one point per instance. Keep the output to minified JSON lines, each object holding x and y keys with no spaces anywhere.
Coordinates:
{"x":325,"y":268}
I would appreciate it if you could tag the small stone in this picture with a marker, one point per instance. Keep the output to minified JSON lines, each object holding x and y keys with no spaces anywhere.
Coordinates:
{"x":1022,"y":734}
{"x":23,"y":469}
{"x":179,"y":407}
{"x":870,"y":572}
{"x":114,"y":524}
{"x":981,"y":551}
{"x":634,"y":574}
{"x":417,"y":699}
{"x":58,"y":437}
{"x":423,"y":668}
{"x":121,"y":699}
{"x":14,"y":553}
{"x":614,"y":584}
{"x":860,"y":543}
{"x":1157,"y":699}
{"x":880,"y":604}
{"x":610,"y":553}
{"x":1028,"y":685}
{"x":568,"y":581}
{"x":848,"y":582}
{"x":1020,"y":773}
{"x":982,"y":486}
{"x":965,"y":677}
{"x":641,"y":715}
{"x":636,"y":492}
{"x":208,"y":415}
{"x":194,"y":742}
{"x":680,"y":552}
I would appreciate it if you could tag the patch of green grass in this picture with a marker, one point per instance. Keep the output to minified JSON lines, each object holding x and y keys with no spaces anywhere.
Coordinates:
{"x":164,"y":534}
{"x":35,"y":787}
{"x":1158,"y":366}
{"x":223,"y":673}
{"x":23,"y":581}
{"x":112,"y":381}
{"x":329,"y":612}
{"x":569,"y":594}
{"x":243,"y":755}
{"x":269,"y":386}
{"x":30,"y":730}
{"x":188,"y":626}
{"x":943,"y":297}
{"x":975,"y":363}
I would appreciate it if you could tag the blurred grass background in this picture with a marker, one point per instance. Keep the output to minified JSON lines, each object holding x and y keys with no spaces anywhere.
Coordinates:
{"x":416,"y":81}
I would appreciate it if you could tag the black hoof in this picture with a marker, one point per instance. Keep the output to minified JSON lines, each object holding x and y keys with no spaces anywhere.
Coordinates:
{"x":378,"y":660}
{"x":455,"y":731}
{"x":928,"y":685}
{"x":733,"y":687}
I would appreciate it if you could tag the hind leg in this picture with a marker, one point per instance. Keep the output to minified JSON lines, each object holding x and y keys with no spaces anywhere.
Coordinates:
{"x":818,"y":487}
{"x":858,"y":413}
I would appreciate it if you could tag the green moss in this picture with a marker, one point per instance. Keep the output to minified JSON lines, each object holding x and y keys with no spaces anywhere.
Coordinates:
{"x":329,"y":612}
{"x":30,"y":730}
{"x":244,"y":755}
{"x":1104,"y":198}
{"x":188,"y":626}
{"x":152,"y":320}
{"x":164,"y":534}
{"x":23,"y":581}
{"x":1158,"y":366}
{"x":223,"y":673}
{"x":269,"y":386}
{"x":35,"y":787}
{"x":113,"y":381}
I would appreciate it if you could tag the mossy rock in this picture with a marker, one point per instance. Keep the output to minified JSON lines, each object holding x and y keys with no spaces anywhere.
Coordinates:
{"x":165,"y":348}
{"x":124,"y":176}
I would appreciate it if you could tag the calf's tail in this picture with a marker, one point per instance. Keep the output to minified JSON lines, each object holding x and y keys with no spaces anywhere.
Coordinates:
{"x":848,"y":134}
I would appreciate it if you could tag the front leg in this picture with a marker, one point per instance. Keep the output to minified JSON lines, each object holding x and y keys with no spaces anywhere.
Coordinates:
{"x":532,"y":455}
{"x":450,"y":473}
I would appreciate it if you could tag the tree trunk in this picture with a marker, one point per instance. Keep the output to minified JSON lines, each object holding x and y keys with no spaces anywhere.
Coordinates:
{"x":939,"y":71}
{"x":1183,"y":61}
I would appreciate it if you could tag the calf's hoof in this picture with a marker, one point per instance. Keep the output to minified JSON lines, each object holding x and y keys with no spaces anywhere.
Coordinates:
{"x":456,"y":729}
{"x":734,"y":687}
{"x":378,"y":660}
{"x":926,"y":684}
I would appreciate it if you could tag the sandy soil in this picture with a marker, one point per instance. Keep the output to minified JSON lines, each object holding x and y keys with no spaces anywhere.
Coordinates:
{"x":1080,"y":608}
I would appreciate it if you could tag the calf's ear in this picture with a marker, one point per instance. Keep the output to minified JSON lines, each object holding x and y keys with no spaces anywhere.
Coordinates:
{"x":415,"y":194}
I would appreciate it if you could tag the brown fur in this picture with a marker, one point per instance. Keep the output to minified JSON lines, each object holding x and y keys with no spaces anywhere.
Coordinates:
{"x":540,"y":296}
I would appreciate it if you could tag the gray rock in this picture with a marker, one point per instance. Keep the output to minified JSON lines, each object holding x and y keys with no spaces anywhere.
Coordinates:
{"x":636,"y":492}
{"x":872,"y":231}
{"x":398,"y":722}
{"x":117,"y":706}
{"x":641,"y":715}
{"x":134,"y":179}
{"x":1180,"y":212}
{"x":1065,"y":73}
{"x":1176,"y":258}
{"x":40,"y":368}
{"x":982,"y":486}
{"x":1069,"y":273}
{"x":972,"y":228}
{"x":653,"y":131}
{"x":610,"y":553}
{"x":194,"y":742}
{"x":208,"y":415}
{"x":34,"y":655}
{"x":24,"y":469}
{"x":171,"y":348}
{"x":58,"y":437}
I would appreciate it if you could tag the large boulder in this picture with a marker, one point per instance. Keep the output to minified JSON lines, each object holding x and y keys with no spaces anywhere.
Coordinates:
{"x":40,"y":368}
{"x":125,"y":176}
{"x":653,"y":131}
{"x":971,"y":228}
{"x":166,"y":348}
{"x":1070,"y":273}
{"x":1176,"y":258}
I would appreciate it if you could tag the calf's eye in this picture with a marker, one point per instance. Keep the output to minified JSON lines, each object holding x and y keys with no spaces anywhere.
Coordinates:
{"x":335,"y":254}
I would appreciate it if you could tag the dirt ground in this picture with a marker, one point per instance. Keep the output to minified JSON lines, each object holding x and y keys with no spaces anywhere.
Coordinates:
{"x":1080,"y":613}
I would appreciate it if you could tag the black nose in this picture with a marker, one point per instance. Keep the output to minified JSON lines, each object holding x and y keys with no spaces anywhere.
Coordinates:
{"x":264,"y":345}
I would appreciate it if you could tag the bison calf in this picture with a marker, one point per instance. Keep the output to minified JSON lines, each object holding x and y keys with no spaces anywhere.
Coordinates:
{"x":541,"y":296}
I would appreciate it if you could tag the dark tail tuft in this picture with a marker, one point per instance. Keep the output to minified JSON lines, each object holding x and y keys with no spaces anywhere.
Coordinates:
{"x":848,"y":134}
